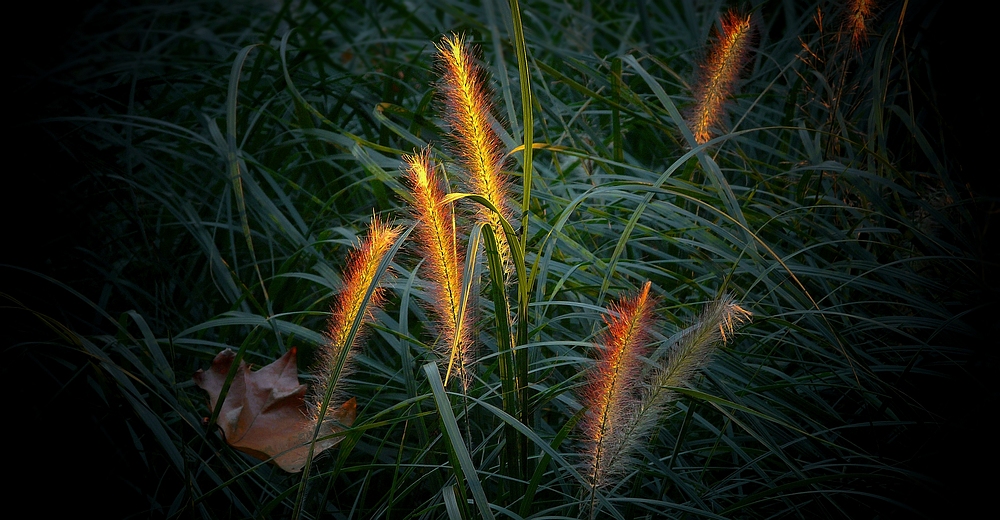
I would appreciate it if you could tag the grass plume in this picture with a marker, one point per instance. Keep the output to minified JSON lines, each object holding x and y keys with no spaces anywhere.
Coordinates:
{"x":360,"y":273}
{"x":612,"y":388}
{"x":469,"y":114}
{"x":436,"y":242}
{"x":719,"y":73}
{"x":218,"y":156}
{"x":857,"y":19}
{"x":693,"y":351}
{"x":625,"y":404}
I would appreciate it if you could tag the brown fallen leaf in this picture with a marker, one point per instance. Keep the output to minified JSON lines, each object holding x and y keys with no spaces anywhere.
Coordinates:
{"x":264,"y":413}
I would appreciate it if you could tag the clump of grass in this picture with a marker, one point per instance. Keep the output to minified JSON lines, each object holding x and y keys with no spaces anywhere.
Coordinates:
{"x":308,"y":126}
{"x":624,"y":400}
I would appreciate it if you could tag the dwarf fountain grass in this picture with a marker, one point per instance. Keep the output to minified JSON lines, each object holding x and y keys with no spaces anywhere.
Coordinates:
{"x":469,"y":112}
{"x":692,"y":352}
{"x":624,"y":398}
{"x":353,"y":304}
{"x":236,"y":223}
{"x":612,"y":390}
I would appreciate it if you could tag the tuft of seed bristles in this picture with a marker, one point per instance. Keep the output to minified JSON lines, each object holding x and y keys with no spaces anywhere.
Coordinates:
{"x":719,"y":73}
{"x":857,"y":18}
{"x":692,"y":352}
{"x":436,"y":242}
{"x":469,"y":114}
{"x":360,"y":273}
{"x":611,"y":392}
{"x":624,"y":404}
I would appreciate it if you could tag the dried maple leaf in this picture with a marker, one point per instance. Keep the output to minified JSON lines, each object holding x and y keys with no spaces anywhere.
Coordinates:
{"x":264,"y":413}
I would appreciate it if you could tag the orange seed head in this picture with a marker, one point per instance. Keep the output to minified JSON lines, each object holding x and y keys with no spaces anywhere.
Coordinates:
{"x":611,"y":392}
{"x":359,"y":274}
{"x":468,"y":111}
{"x":719,"y":73}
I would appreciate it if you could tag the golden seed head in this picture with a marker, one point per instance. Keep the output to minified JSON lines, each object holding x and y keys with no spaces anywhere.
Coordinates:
{"x":469,"y":113}
{"x":359,"y":274}
{"x":719,"y":73}
{"x":435,"y":238}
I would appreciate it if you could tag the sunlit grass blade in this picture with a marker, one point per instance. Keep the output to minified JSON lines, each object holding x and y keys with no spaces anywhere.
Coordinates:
{"x":527,"y":117}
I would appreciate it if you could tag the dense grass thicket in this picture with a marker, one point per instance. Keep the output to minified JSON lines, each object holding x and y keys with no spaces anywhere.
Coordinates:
{"x":196,"y":173}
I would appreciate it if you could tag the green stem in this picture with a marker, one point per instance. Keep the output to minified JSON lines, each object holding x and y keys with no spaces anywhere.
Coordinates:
{"x":521,"y":355}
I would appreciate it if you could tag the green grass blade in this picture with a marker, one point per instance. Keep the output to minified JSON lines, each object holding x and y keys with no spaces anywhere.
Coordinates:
{"x":451,"y":503}
{"x":527,"y":122}
{"x":466,"y":469}
{"x":511,"y":461}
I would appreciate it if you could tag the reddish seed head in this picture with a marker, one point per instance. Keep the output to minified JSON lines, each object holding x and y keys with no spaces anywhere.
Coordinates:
{"x":611,"y":392}
{"x":719,"y":73}
{"x":857,"y":17}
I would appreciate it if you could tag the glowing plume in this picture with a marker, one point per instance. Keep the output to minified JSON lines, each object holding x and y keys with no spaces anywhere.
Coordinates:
{"x":857,"y":17}
{"x":612,"y":389}
{"x":359,"y":274}
{"x":719,"y":74}
{"x":435,"y":233}
{"x":468,"y":112}
{"x":624,"y":405}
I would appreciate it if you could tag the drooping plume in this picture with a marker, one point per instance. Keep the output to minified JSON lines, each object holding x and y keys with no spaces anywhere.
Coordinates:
{"x":719,"y":73}
{"x":469,"y":114}
{"x":435,"y":234}
{"x":613,"y":389}
{"x":360,"y":273}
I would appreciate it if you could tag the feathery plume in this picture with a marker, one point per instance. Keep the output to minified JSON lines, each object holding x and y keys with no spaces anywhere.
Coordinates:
{"x":612,"y":389}
{"x":624,"y":405}
{"x":857,"y":15}
{"x":693,"y":351}
{"x":359,"y":274}
{"x":468,"y":111}
{"x":435,"y":232}
{"x":719,"y":73}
